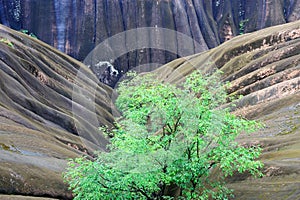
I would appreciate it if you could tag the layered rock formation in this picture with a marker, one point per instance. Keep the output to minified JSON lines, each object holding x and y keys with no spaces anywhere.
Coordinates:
{"x":76,"y":27}
{"x":264,"y":67}
{"x":46,"y":103}
{"x":44,"y":109}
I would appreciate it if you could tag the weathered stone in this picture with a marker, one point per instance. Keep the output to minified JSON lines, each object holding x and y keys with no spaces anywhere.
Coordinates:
{"x":264,"y":68}
{"x":76,"y":27}
{"x":44,"y":120}
{"x":39,"y":128}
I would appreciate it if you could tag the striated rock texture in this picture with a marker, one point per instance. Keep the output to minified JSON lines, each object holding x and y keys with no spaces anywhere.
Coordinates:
{"x":42,"y":115}
{"x":45,"y":106}
{"x":264,"y":67}
{"x":76,"y":26}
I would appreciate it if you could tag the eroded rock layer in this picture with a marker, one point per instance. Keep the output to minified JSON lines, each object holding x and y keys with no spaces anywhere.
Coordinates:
{"x":76,"y":26}
{"x":264,"y":67}
{"x":42,"y":115}
{"x":45,"y":95}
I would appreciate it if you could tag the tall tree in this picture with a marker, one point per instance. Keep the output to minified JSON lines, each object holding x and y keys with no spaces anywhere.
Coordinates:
{"x":167,"y":143}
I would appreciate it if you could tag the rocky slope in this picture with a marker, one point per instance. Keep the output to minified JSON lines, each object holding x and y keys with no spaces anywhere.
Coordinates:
{"x":44,"y":97}
{"x":76,"y":27}
{"x":45,"y":107}
{"x":264,"y":67}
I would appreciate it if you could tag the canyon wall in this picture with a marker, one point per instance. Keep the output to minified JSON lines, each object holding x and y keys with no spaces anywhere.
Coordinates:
{"x":76,"y":27}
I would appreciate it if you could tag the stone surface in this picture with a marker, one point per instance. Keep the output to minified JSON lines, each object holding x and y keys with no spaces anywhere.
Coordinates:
{"x":76,"y":27}
{"x":264,"y":68}
{"x":44,"y":100}
{"x":20,"y":197}
{"x":39,"y":127}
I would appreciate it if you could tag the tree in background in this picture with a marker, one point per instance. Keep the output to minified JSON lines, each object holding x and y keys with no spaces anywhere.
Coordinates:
{"x":168,"y":142}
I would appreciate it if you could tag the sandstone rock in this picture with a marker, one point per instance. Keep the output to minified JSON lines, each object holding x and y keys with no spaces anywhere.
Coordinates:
{"x":76,"y":27}
{"x":263,"y":67}
{"x":41,"y":87}
{"x":44,"y":115}
{"x":20,"y":197}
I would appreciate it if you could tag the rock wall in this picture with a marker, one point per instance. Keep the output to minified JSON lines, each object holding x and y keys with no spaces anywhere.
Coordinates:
{"x":76,"y":26}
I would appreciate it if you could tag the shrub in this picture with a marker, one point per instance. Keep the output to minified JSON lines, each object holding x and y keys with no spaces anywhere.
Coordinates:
{"x":7,"y":42}
{"x":28,"y":33}
{"x":242,"y":25}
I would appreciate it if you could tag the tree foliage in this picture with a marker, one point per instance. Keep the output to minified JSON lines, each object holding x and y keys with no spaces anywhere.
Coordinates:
{"x":168,"y":142}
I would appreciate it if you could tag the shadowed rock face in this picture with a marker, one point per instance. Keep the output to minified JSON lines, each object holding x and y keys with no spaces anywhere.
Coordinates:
{"x":76,"y":27}
{"x":44,"y":106}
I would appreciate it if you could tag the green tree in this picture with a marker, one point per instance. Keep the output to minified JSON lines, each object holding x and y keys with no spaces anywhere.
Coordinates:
{"x":167,"y":143}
